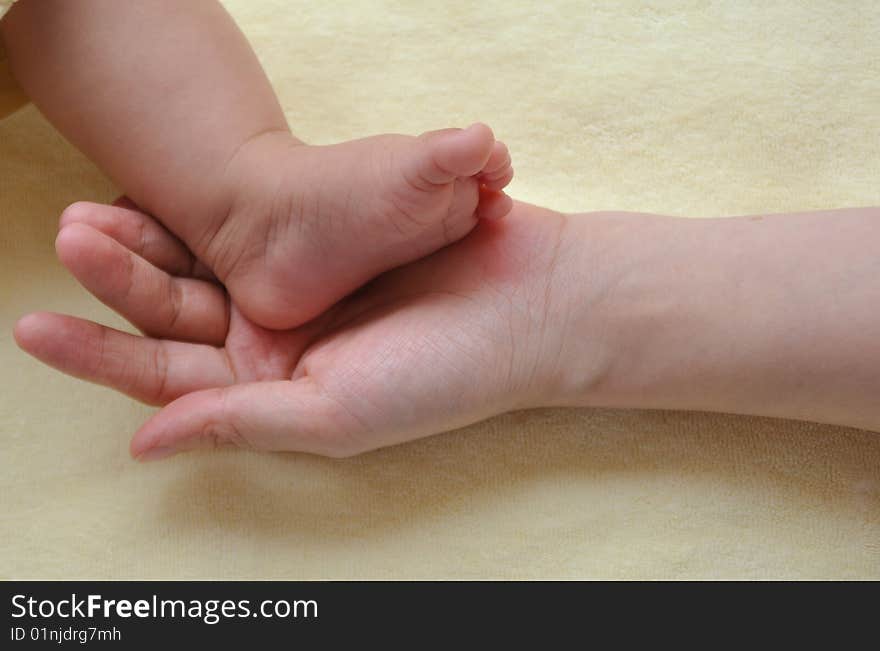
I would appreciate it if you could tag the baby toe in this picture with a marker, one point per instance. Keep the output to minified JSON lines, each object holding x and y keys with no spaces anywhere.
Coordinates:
{"x":446,"y":155}
{"x":498,"y":171}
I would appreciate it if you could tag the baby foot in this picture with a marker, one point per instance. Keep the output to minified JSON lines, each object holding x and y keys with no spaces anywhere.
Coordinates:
{"x":316,"y":222}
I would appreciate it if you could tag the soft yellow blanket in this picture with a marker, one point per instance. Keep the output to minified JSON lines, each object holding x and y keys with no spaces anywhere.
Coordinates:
{"x":681,"y":107}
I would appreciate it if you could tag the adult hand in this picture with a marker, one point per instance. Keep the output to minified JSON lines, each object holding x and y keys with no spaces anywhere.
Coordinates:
{"x":444,"y":342}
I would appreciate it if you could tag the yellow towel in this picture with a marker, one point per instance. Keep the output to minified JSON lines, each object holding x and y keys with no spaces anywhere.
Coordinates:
{"x":683,"y":107}
{"x":4,"y":6}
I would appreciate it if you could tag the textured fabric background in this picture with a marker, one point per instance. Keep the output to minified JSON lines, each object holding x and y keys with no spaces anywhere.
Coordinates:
{"x":4,"y":6}
{"x":681,"y":107}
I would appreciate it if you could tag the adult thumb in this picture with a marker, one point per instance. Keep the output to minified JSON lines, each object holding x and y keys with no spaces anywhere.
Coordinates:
{"x":290,"y":415}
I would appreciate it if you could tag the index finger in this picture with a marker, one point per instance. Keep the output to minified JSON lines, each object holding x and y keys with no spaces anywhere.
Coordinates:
{"x":150,"y":370}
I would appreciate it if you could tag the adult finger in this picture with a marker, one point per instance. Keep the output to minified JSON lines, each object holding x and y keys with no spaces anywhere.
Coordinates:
{"x":149,"y":370}
{"x":290,"y":415}
{"x":157,"y":303}
{"x":139,"y":233}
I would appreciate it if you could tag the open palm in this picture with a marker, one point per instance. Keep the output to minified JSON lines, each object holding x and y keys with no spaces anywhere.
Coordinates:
{"x":438,"y":344}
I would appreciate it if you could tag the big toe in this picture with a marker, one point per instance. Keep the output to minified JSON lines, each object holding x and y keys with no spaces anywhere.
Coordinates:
{"x":445,"y":155}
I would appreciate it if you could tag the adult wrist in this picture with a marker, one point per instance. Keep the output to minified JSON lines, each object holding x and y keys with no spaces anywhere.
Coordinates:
{"x":616,"y":285}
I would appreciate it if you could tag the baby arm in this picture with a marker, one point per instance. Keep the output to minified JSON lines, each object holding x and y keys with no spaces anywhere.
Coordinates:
{"x":160,"y":94}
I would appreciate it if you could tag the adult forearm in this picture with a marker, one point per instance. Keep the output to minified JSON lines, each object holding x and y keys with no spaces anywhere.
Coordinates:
{"x":159,"y":93}
{"x":773,"y":315}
